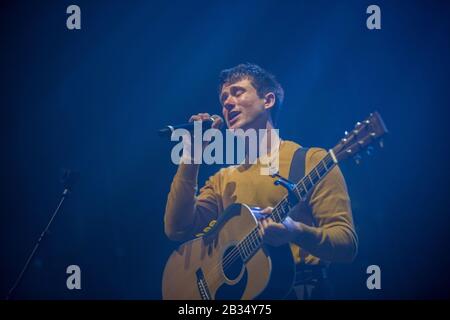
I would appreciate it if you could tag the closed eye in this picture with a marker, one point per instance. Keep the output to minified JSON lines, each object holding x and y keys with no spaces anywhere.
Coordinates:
{"x":237,"y":91}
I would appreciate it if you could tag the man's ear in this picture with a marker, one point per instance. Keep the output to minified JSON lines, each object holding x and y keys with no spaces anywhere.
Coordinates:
{"x":269,"y":100}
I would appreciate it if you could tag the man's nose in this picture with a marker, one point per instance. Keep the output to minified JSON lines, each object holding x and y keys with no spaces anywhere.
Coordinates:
{"x":229,"y":103}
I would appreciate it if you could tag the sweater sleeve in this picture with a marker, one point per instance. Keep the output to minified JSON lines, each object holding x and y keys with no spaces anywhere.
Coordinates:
{"x":333,"y":237}
{"x":186,"y":213}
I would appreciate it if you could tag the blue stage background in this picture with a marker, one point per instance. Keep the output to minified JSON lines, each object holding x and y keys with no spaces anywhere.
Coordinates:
{"x":92,"y":99}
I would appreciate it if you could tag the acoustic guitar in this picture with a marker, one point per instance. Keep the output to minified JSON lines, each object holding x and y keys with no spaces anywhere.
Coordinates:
{"x":231,"y":262}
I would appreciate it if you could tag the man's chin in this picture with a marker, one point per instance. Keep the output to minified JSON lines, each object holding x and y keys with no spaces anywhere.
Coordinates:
{"x":239,"y":130}
{"x":237,"y":126}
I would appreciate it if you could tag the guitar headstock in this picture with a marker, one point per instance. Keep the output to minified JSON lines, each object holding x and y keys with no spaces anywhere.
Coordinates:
{"x":361,"y":137}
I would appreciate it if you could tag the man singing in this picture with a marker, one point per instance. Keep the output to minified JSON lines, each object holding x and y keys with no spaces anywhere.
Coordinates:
{"x":319,"y":230}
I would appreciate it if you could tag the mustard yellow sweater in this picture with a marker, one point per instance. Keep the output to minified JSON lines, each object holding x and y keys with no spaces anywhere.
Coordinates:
{"x":330,"y":237}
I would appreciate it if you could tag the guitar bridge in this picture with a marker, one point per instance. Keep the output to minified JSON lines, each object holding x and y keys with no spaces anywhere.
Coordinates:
{"x":202,"y":285}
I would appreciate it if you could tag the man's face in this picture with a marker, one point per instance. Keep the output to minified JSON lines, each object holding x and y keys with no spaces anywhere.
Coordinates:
{"x":241,"y":106}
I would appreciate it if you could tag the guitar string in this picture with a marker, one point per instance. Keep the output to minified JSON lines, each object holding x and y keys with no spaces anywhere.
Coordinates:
{"x":250,"y":240}
{"x":253,"y":239}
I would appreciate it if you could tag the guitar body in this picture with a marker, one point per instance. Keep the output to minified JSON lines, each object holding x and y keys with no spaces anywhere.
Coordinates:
{"x":211,"y":267}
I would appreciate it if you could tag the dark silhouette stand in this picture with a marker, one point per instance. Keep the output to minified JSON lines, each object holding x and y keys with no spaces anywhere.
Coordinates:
{"x":68,"y":179}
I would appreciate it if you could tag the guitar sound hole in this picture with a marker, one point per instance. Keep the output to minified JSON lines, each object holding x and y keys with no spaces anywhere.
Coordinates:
{"x":232,"y":263}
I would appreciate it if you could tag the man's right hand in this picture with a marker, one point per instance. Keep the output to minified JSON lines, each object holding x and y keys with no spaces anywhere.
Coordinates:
{"x":188,"y":153}
{"x":217,"y":123}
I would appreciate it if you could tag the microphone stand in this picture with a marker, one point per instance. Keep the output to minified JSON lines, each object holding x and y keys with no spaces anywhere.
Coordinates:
{"x":68,"y":181}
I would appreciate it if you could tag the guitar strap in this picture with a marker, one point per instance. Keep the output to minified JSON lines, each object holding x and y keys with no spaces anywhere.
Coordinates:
{"x":296,"y":172}
{"x":297,"y":169}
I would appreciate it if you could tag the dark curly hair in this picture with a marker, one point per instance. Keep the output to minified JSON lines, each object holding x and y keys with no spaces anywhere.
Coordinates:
{"x":263,"y":81}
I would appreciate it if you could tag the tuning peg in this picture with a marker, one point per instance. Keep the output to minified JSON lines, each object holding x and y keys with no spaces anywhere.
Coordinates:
{"x":357,"y":158}
{"x":369,"y":150}
{"x":381,"y":143}
{"x":346,"y":133}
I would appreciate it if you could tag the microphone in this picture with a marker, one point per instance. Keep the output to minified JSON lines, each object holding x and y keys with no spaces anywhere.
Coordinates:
{"x":206,"y":124}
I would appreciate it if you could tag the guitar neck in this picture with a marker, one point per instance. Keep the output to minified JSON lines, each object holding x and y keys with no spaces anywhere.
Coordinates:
{"x":304,"y":187}
{"x":250,"y":244}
